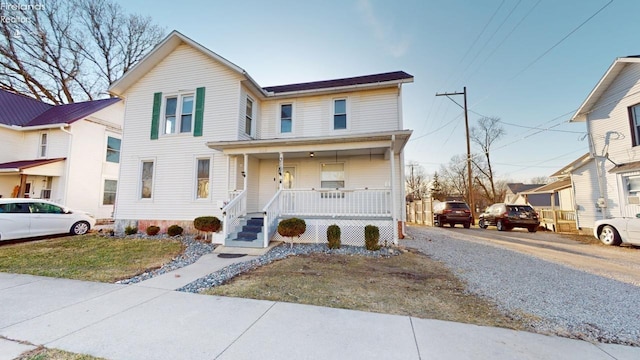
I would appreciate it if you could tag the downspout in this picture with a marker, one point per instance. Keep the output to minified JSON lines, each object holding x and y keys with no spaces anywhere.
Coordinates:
{"x":67,"y":165}
{"x":393,"y":190}
{"x":575,"y":205}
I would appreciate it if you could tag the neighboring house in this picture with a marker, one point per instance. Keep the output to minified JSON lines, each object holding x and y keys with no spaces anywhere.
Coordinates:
{"x":201,"y":137}
{"x":607,"y":180}
{"x":519,"y":193}
{"x":66,"y":153}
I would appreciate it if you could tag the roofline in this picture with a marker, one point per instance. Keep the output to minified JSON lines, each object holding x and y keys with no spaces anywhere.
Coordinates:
{"x":169,"y":43}
{"x":32,"y":128}
{"x":587,"y":105}
{"x":337,"y":89}
{"x":43,"y":162}
{"x":574,"y":165}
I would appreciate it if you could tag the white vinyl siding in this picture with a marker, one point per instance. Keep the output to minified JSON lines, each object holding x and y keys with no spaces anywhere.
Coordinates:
{"x":367,"y":111}
{"x":222,"y":102}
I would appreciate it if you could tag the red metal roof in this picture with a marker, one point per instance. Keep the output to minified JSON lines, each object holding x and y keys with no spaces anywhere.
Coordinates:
{"x":68,"y":113}
{"x":25,"y":164}
{"x":325,"y":84}
{"x":18,"y":109}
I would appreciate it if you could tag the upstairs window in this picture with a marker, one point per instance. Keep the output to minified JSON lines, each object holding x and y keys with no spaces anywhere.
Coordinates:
{"x":113,"y":149}
{"x":248,"y":123}
{"x":634,"y":121}
{"x":339,"y":114}
{"x":178,"y":114}
{"x":43,"y":145}
{"x":286,"y":118}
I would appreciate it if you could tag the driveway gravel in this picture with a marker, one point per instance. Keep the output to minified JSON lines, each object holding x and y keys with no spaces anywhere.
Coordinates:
{"x":550,"y":297}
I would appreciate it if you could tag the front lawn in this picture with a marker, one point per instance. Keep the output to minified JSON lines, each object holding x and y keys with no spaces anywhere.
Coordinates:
{"x":88,"y":257}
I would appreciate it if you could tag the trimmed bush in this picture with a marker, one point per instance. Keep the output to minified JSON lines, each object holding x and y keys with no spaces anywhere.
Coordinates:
{"x":333,"y":236}
{"x":174,"y":230}
{"x":130,"y":230}
{"x":291,"y":228}
{"x":207,"y":223}
{"x":371,"y":237}
{"x":153,"y":230}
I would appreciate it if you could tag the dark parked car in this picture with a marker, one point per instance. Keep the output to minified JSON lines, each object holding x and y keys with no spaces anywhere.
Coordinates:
{"x":507,"y":217}
{"x":452,"y":213}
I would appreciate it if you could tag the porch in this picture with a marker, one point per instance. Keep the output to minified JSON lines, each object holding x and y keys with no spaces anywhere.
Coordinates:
{"x":558,"y":217}
{"x":31,"y":178}
{"x":350,"y":209}
{"x":558,"y":220}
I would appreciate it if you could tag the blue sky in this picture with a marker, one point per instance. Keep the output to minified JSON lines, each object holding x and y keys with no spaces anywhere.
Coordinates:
{"x":509,"y":54}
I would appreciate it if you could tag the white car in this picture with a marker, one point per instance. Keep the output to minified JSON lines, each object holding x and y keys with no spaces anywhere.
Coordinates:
{"x":618,"y":230}
{"x":23,"y":218}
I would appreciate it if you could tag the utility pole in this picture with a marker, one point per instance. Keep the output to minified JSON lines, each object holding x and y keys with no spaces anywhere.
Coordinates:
{"x":466,"y":124}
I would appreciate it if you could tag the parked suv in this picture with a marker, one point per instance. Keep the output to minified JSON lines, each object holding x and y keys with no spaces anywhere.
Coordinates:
{"x":507,"y":217}
{"x":452,"y":213}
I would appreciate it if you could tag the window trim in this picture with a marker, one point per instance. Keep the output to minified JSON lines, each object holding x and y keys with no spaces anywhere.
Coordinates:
{"x":635,"y":128}
{"x":279,"y":123}
{"x":43,"y":146}
{"x":178,"y":114}
{"x":153,"y":177}
{"x":197,"y":179}
{"x":119,"y":151}
{"x":249,"y":117}
{"x":346,"y":113}
{"x":104,"y":190}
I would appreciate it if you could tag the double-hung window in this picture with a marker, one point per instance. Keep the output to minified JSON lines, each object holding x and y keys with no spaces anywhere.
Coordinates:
{"x":109,"y":195}
{"x":286,"y":118}
{"x":113,"y":149}
{"x":634,"y":121}
{"x":248,"y":122}
{"x":202,"y":178}
{"x":332,"y":176}
{"x":178,"y":114}
{"x":43,"y":145}
{"x":339,"y":114}
{"x":633,"y":189}
{"x":146,"y":180}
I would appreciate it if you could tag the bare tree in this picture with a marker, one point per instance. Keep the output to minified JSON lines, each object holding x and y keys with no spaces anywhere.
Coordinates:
{"x":70,"y":50}
{"x":454,"y":177}
{"x":540,"y":180}
{"x":484,"y":135}
{"x":417,"y":184}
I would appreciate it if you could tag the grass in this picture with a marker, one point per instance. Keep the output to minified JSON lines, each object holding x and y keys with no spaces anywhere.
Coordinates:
{"x":409,"y":284}
{"x":88,"y":257}
{"x":54,"y":354}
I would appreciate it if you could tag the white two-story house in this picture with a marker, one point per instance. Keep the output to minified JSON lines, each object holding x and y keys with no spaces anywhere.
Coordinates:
{"x":202,"y":138}
{"x":66,"y":153}
{"x":607,"y":180}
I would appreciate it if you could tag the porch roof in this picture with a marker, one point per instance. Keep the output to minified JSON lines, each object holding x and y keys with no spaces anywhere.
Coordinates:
{"x":632,"y":166}
{"x":351,"y":142}
{"x":18,"y":166}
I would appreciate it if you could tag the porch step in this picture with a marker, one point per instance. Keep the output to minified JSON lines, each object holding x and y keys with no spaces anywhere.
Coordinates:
{"x":257,"y":243}
{"x":247,"y":235}
{"x":252,"y":228}
{"x":255,"y":222}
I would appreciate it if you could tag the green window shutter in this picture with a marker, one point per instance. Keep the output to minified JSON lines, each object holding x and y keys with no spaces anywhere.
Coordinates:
{"x":197,"y":128}
{"x":155,"y":117}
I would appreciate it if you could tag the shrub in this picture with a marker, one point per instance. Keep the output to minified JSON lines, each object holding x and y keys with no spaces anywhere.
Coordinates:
{"x":174,"y":230}
{"x":207,"y":223}
{"x":291,"y":228}
{"x":371,"y":237}
{"x":333,"y":236}
{"x":153,"y":230}
{"x":130,"y":230}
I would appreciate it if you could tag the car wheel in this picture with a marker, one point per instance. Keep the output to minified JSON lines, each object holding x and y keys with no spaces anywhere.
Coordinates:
{"x":532,"y":228}
{"x":481,"y":224}
{"x":609,"y":236}
{"x":438,"y":222}
{"x":80,"y":228}
{"x":467,"y":225}
{"x":500,"y":225}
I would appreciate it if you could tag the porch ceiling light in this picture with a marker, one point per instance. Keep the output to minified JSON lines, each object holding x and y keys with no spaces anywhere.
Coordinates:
{"x":311,"y":154}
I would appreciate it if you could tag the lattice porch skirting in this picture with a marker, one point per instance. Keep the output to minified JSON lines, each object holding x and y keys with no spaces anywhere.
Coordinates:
{"x":352,"y":231}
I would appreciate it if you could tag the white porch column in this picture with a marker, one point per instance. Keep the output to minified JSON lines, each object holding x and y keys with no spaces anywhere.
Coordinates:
{"x":245,"y":172}
{"x":280,"y":169}
{"x":393,"y":190}
{"x":228,"y":188}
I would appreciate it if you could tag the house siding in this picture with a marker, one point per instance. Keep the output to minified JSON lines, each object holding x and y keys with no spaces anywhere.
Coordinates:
{"x":367,"y":111}
{"x":174,"y":155}
{"x":587,"y":190}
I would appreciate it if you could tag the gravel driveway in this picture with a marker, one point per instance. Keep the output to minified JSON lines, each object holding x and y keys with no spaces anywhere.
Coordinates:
{"x":552,"y":298}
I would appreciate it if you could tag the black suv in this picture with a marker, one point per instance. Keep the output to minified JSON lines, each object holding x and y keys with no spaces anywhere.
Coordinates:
{"x":507,"y":216}
{"x":452,"y":213}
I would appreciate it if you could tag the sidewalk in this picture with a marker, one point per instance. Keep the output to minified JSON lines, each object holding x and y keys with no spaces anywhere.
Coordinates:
{"x":149,"y":320}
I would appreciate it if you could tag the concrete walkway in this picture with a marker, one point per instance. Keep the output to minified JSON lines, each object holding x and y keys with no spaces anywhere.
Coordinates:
{"x":151,"y":321}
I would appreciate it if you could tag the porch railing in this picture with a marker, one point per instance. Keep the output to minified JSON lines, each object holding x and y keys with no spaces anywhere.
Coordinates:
{"x":353,"y":203}
{"x":560,"y":220}
{"x":232,"y":212}
{"x":271,"y":215}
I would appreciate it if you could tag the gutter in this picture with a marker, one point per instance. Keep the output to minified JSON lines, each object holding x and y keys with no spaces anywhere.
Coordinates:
{"x":67,"y":165}
{"x":271,"y":94}
{"x":31,"y":128}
